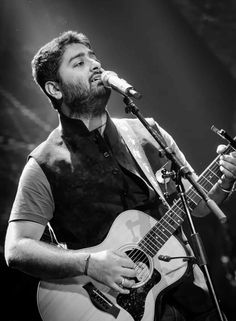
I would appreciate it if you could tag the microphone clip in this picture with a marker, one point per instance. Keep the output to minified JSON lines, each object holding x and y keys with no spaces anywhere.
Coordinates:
{"x":167,"y":258}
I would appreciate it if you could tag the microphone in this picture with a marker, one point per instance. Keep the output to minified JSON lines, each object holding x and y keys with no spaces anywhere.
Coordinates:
{"x":167,"y":258}
{"x":111,"y":80}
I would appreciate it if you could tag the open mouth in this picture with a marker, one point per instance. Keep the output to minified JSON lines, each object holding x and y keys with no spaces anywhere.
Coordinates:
{"x":96,"y":78}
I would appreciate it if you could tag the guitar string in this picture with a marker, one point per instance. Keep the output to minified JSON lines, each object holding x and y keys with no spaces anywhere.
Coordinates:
{"x":160,"y":224}
{"x":163,"y":228}
{"x":202,"y":186}
{"x":170,"y":217}
{"x":157,"y":227}
{"x":202,"y":178}
{"x":166,"y":229}
{"x":142,"y":243}
{"x":207,"y":181}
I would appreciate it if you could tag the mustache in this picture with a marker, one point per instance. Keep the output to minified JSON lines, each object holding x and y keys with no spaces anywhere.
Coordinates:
{"x":95,"y":74}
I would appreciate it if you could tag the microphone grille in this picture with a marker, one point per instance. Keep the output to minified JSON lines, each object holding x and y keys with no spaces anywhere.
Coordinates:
{"x":105,"y":76}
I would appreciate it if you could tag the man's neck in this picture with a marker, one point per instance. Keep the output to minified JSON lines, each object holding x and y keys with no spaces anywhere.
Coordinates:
{"x":95,"y":122}
{"x":91,"y":122}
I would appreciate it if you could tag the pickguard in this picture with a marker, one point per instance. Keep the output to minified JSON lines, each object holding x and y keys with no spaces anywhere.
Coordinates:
{"x":134,"y":302}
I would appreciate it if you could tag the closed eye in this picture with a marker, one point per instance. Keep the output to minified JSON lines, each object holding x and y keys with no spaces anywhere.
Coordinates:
{"x":79,"y":63}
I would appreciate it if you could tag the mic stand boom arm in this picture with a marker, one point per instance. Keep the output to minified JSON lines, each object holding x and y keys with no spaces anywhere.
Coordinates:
{"x":178,"y":165}
{"x":183,"y":171}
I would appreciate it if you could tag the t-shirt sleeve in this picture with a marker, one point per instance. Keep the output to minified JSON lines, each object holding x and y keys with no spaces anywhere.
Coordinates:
{"x":33,"y":200}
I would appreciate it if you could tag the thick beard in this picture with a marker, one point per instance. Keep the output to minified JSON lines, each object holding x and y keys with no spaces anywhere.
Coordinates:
{"x":83,"y":102}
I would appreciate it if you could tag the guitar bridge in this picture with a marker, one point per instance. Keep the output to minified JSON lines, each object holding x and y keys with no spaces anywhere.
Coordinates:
{"x":100,"y":300}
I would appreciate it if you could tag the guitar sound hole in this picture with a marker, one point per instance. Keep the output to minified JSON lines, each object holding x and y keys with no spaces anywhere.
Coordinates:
{"x":143,"y":264}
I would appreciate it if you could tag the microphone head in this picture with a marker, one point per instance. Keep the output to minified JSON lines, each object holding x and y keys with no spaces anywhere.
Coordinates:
{"x":134,"y":93}
{"x":105,"y":76}
{"x":110,"y":79}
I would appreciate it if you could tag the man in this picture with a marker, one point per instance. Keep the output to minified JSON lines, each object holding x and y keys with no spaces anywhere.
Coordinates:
{"x":83,"y":176}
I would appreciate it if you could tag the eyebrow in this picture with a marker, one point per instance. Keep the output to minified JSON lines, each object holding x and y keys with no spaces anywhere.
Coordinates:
{"x":80,"y":54}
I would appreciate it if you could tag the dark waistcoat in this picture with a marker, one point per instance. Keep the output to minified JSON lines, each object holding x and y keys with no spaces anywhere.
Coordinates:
{"x":86,"y":175}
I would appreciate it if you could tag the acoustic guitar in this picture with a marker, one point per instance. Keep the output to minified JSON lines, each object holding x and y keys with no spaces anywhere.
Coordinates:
{"x":143,"y":239}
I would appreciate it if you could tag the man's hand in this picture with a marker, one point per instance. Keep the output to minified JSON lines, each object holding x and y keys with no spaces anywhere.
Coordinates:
{"x":227,"y":167}
{"x":114,"y":269}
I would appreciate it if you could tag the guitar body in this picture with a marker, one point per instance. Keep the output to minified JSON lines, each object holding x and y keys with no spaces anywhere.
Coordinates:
{"x":84,"y":299}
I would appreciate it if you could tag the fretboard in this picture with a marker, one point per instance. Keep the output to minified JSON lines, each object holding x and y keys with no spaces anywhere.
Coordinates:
{"x":174,"y":217}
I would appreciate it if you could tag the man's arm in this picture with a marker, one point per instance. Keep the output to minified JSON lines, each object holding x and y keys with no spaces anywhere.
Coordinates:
{"x":25,"y":251}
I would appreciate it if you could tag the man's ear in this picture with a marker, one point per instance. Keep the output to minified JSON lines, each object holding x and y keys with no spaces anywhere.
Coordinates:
{"x":53,"y":89}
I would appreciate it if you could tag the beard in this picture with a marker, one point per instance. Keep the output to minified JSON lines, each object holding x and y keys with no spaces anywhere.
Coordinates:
{"x":84,"y":101}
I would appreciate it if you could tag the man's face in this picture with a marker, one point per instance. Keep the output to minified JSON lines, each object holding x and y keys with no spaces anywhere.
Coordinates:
{"x":80,"y":81}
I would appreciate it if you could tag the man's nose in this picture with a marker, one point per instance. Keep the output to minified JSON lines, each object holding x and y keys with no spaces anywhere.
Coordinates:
{"x":95,"y":64}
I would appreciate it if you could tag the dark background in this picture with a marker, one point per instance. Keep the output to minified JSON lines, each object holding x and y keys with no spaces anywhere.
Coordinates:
{"x":180,"y":54}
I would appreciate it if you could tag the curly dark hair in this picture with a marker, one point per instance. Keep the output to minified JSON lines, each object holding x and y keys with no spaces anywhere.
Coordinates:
{"x":46,"y":62}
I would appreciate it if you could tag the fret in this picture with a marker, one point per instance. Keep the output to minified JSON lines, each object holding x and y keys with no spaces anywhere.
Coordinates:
{"x":208,"y":181}
{"x":204,"y":189}
{"x":152,"y":235}
{"x":194,"y":198}
{"x":161,"y":237}
{"x":174,"y":217}
{"x":179,"y":207}
{"x":154,"y":238}
{"x":161,"y":234}
{"x":177,"y":217}
{"x":214,"y":175}
{"x":191,"y":203}
{"x":193,"y":195}
{"x":170,"y":224}
{"x":147,"y":249}
{"x":164,"y":229}
{"x":178,"y":222}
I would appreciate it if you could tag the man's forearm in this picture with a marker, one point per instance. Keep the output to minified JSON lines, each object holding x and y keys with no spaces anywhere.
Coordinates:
{"x":46,"y":261}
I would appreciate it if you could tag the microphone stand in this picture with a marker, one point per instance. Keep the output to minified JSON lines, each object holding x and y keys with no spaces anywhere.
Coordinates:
{"x":183,"y":171}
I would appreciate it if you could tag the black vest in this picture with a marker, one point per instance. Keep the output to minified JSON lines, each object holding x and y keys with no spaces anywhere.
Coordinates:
{"x":89,"y":177}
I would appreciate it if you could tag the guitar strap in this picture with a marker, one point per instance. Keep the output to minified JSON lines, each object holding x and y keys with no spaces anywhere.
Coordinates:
{"x":135,"y":148}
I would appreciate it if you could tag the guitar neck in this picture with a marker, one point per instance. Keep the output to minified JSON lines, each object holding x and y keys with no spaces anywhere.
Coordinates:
{"x":174,"y":217}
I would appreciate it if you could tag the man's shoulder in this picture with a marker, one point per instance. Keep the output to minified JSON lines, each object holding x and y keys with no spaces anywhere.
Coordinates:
{"x":124,"y":124}
{"x":45,"y":147}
